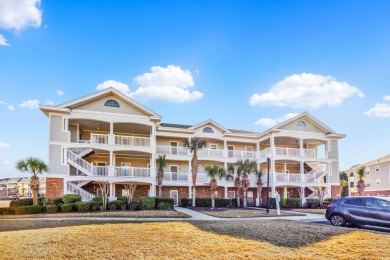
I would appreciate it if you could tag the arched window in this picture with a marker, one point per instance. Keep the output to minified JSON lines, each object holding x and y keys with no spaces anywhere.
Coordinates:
{"x":301,"y":123}
{"x":111,"y":103}
{"x":208,"y":130}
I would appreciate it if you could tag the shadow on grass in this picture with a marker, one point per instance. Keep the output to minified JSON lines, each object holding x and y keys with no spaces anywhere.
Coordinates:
{"x":15,"y":225}
{"x":285,"y":233}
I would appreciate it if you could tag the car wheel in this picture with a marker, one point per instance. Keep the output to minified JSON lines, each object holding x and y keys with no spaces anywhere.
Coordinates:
{"x":337,"y":220}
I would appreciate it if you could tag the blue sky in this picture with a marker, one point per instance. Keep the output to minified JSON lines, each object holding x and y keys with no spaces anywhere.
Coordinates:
{"x":236,"y":62}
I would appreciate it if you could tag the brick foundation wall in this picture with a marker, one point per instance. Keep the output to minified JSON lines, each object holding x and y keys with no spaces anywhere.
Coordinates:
{"x":336,"y":191}
{"x":54,"y":188}
{"x":373,"y":193}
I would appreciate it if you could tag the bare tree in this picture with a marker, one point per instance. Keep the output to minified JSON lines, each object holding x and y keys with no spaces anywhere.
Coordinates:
{"x":104,"y":187}
{"x":130,"y":190}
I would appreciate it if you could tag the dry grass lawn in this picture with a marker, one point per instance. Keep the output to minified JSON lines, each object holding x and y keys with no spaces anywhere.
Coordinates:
{"x":177,"y":240}
{"x":312,"y":211}
{"x":245,"y":213}
{"x":107,"y":214}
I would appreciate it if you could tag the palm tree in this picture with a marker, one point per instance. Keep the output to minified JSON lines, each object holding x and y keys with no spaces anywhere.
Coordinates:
{"x":35,"y":166}
{"x":361,"y":172}
{"x":237,"y":185}
{"x":245,"y":167}
{"x":214,"y":172}
{"x":194,"y":144}
{"x":259,"y":183}
{"x":161,"y":163}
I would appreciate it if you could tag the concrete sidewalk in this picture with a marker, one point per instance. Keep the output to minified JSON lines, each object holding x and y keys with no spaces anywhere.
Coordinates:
{"x":195,"y":216}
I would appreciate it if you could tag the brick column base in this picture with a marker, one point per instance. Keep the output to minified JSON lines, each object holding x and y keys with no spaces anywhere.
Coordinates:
{"x":336,"y":191}
{"x":54,"y":188}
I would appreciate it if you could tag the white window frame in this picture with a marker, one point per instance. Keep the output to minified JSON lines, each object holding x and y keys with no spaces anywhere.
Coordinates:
{"x":251,"y":149}
{"x":174,"y":165}
{"x":216,"y":146}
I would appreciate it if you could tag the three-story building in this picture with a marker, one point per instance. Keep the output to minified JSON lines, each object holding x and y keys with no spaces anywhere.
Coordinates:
{"x":107,"y":136}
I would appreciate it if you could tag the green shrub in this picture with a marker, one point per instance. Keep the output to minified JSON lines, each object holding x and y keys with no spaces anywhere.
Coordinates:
{"x":135,"y":205}
{"x":222,"y":203}
{"x":21,"y":202}
{"x":94,"y":205}
{"x":122,"y":198}
{"x":206,"y":202}
{"x":51,"y":208}
{"x":8,"y":211}
{"x":83,"y":206}
{"x":233,"y":202}
{"x":67,"y":208}
{"x":58,"y":201}
{"x":148,"y":203}
{"x":43,"y":201}
{"x":44,"y":208}
{"x":21,"y":210}
{"x":169,"y":201}
{"x":120,"y":204}
{"x":185,"y":202}
{"x":290,"y":203}
{"x":272,"y":203}
{"x":98,"y":199}
{"x":71,"y":198}
{"x":34,"y":209}
{"x":313,"y":203}
{"x":164,"y":206}
{"x":329,"y":200}
{"x":112,"y":205}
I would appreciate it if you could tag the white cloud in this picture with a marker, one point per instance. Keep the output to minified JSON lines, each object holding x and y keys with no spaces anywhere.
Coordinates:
{"x":5,"y":162}
{"x":20,"y":14}
{"x":60,"y":92}
{"x":386,"y":98}
{"x":306,"y":90}
{"x":11,"y":107}
{"x":379,"y":110}
{"x":122,"y":87}
{"x":269,"y":122}
{"x":167,"y":84}
{"x":30,"y":104}
{"x":4,"y":145}
{"x":49,"y":102}
{"x":3,"y":41}
{"x":2,"y":102}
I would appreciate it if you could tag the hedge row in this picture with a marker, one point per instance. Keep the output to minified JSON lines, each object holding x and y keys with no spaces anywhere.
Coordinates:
{"x":206,"y":202}
{"x":152,"y":203}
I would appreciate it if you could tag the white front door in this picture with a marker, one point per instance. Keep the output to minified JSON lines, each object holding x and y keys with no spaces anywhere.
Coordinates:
{"x":249,"y":197}
{"x":174,"y":194}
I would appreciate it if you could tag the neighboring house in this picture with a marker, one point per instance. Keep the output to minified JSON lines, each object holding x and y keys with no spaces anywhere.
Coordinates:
{"x":377,"y":178}
{"x":107,"y":136}
{"x":20,"y":187}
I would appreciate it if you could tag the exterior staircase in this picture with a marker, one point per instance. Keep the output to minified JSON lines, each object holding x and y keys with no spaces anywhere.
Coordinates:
{"x":318,"y":170}
{"x":75,"y":189}
{"x":79,"y":163}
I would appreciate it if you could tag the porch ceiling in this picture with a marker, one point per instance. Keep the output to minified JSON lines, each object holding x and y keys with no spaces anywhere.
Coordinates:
{"x":132,"y":128}
{"x":93,"y":125}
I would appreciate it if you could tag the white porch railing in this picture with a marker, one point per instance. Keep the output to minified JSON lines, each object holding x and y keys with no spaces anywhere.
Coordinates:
{"x":100,"y":170}
{"x":310,"y":153}
{"x":85,"y":195}
{"x":308,"y":178}
{"x":289,"y":152}
{"x":176,"y":176}
{"x":132,"y":140}
{"x":210,"y":152}
{"x":172,"y":150}
{"x":264,"y":153}
{"x":132,"y":172}
{"x":99,"y":138}
{"x":241,"y":154}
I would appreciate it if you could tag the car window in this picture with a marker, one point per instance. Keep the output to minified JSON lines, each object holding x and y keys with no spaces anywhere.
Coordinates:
{"x":354,"y":202}
{"x":385,"y":204}
{"x":373,"y":203}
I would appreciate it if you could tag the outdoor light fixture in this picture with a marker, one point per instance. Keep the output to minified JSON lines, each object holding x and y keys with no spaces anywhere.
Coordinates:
{"x":269,"y":154}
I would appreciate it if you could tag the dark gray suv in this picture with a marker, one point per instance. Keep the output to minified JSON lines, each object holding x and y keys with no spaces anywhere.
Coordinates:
{"x":359,"y":210}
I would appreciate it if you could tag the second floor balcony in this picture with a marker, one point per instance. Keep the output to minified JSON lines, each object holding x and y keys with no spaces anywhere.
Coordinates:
{"x":117,"y":140}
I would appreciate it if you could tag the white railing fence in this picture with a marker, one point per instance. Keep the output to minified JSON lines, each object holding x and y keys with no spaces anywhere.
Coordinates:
{"x":85,"y":195}
{"x":79,"y":161}
{"x":132,"y":172}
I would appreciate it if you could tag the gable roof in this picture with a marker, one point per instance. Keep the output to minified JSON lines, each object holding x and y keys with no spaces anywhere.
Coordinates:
{"x":65,"y":107}
{"x":212,"y":122}
{"x":326,"y":129}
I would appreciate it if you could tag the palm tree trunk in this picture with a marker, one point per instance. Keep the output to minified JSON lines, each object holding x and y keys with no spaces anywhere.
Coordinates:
{"x":160,"y":191}
{"x":238,"y":199}
{"x":35,"y":196}
{"x":244,"y":194}
{"x":194,"y":171}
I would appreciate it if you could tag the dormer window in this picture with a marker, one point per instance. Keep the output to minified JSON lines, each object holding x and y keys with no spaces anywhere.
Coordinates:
{"x":111,"y":103}
{"x":208,"y":130}
{"x":301,"y":123}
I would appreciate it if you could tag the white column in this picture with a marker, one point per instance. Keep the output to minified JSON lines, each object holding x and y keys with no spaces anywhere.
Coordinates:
{"x":153,"y":169}
{"x":285,"y":192}
{"x":111,"y":191}
{"x":111,"y":158}
{"x":301,"y":146}
{"x":153,"y":136}
{"x":272,"y":145}
{"x":303,"y":199}
{"x":111,"y":136}
{"x":301,"y":168}
{"x":111,"y":128}
{"x":152,"y":191}
{"x":225,"y":166}
{"x":226,"y":192}
{"x":285,"y":167}
{"x":189,"y":191}
{"x":273,"y":191}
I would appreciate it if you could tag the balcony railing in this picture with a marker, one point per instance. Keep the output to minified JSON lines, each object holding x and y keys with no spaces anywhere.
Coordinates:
{"x":241,"y":154}
{"x":132,"y":140}
{"x":132,"y":172}
{"x":289,"y":152}
{"x":288,"y":177}
{"x":99,"y":138}
{"x":172,"y":150}
{"x":100,"y":170}
{"x":176,"y":176}
{"x":210,"y":152}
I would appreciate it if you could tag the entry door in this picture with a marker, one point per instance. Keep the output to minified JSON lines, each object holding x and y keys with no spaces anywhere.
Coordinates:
{"x":125,"y":171}
{"x":249,"y":197}
{"x":174,"y":147}
{"x":173,"y":170}
{"x":174,"y":194}
{"x":230,"y":150}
